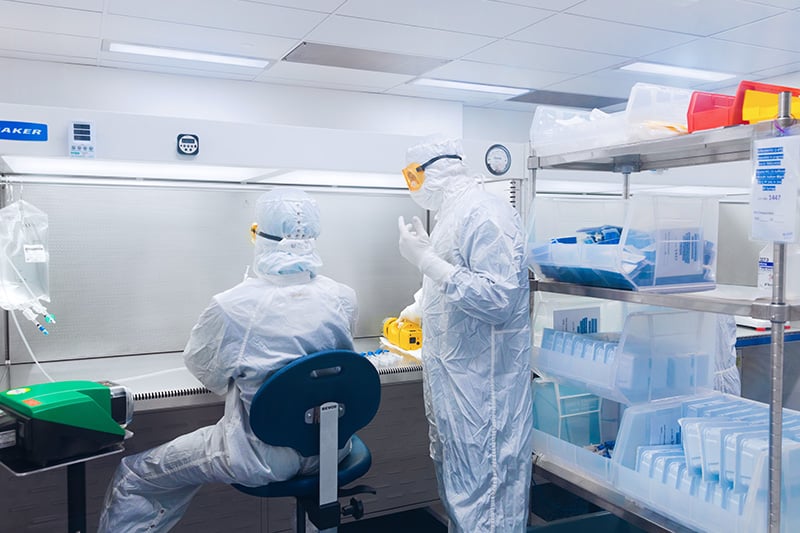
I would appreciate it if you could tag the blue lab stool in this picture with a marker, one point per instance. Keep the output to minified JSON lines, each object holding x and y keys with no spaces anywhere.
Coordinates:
{"x":314,"y":405}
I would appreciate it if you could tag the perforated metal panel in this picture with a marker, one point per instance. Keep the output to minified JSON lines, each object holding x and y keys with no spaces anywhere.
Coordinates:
{"x":131,"y":268}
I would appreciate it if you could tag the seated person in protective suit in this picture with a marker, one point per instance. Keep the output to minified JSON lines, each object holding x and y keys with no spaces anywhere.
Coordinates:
{"x":247,"y":333}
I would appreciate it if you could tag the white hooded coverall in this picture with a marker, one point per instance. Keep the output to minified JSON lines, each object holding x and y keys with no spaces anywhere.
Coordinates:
{"x":246,"y":333}
{"x":476,"y":349}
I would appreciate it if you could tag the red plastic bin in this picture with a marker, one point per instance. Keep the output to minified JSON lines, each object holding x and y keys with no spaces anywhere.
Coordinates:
{"x":710,"y":110}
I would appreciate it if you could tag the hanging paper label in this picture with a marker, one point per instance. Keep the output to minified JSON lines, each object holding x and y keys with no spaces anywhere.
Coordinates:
{"x":773,"y":199}
{"x":35,"y":253}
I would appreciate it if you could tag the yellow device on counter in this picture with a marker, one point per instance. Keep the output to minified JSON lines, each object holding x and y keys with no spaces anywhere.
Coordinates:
{"x":408,"y":336}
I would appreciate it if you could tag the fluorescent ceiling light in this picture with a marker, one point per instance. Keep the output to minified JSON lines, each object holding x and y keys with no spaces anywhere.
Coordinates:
{"x":129,"y":169}
{"x":680,"y":72}
{"x":447,"y":84}
{"x":187,"y":55}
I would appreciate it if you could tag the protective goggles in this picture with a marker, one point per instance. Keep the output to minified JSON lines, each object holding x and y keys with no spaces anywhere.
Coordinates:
{"x":415,"y":173}
{"x":255,"y":233}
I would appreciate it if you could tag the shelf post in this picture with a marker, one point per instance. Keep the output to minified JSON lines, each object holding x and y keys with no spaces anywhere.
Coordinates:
{"x":776,"y":354}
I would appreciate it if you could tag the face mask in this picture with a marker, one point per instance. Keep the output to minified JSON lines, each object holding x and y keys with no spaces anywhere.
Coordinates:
{"x":414,"y":173}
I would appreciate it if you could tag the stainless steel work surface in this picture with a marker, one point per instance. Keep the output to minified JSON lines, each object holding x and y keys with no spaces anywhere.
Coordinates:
{"x":162,"y":380}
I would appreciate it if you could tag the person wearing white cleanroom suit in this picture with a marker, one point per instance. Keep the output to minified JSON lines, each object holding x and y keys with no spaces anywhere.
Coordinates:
{"x":474,"y":307}
{"x":246,"y":333}
{"x":726,"y":373}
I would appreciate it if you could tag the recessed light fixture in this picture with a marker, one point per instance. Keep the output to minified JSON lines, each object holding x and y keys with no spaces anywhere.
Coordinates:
{"x":186,"y":55}
{"x":680,"y":72}
{"x":465,"y":86}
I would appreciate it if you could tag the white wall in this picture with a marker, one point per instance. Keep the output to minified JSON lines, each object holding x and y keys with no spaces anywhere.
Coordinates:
{"x":107,"y":89}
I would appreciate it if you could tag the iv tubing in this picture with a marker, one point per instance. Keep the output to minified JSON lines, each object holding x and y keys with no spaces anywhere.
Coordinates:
{"x":25,"y":341}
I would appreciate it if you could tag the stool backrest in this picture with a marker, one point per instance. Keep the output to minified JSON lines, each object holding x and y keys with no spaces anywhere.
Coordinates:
{"x":279,"y":412}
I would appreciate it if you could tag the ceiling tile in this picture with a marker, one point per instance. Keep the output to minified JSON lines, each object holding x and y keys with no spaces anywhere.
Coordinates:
{"x":616,"y":83}
{"x":777,"y":71}
{"x":51,"y":58}
{"x":785,"y":4}
{"x":84,"y":5}
{"x":333,"y":75}
{"x":49,"y":19}
{"x":508,"y":105}
{"x":492,"y":74}
{"x":791,"y":79}
{"x":468,"y":16}
{"x":179,"y":69}
{"x":171,"y":35}
{"x":723,"y":56}
{"x":468,"y":97}
{"x":571,"y":31}
{"x":398,"y":38}
{"x":65,"y":46}
{"x":705,"y":17}
{"x":552,"y":5}
{"x":777,"y":32}
{"x":224,"y":14}
{"x":540,"y":57}
{"x":320,"y":84}
{"x":323,"y":6}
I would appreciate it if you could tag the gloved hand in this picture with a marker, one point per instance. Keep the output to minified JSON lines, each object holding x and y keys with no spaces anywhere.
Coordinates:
{"x":412,"y":313}
{"x":415,"y":247}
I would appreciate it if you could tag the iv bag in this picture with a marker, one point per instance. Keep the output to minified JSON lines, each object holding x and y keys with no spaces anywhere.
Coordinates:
{"x":24,"y":259}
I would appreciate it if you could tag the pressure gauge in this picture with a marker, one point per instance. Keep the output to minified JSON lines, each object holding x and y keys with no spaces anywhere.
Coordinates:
{"x":498,"y":159}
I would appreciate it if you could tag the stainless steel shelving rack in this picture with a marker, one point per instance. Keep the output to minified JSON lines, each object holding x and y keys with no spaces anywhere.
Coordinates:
{"x":699,"y":148}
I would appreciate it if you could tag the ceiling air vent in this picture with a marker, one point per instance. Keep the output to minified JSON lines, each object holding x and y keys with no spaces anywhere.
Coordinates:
{"x":589,"y":101}
{"x":356,"y":58}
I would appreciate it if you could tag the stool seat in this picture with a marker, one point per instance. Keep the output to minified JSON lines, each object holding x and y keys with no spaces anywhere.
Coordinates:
{"x":352,"y":467}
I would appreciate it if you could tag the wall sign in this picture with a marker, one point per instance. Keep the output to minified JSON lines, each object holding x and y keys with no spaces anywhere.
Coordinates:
{"x":22,"y":131}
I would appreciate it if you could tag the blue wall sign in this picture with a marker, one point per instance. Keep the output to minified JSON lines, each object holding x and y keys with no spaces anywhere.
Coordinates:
{"x":22,"y":131}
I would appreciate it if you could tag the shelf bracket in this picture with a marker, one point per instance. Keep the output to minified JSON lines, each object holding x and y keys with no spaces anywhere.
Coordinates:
{"x":627,"y":164}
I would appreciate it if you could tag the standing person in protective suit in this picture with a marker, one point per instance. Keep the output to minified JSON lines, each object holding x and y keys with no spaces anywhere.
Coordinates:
{"x":246,"y":333}
{"x":474,"y":313}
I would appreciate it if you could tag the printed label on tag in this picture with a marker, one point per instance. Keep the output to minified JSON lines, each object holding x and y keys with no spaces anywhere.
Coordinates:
{"x":773,"y":197}
{"x":664,"y":429}
{"x":34,"y":253}
{"x":580,"y":320}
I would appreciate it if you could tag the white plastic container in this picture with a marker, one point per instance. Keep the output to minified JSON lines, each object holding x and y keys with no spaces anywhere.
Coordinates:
{"x":652,"y":111}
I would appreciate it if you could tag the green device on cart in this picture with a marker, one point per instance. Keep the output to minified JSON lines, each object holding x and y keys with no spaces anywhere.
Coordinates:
{"x":52,"y":422}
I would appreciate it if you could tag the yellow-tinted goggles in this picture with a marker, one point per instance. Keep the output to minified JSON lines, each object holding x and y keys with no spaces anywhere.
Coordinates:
{"x":415,"y":173}
{"x":255,"y":233}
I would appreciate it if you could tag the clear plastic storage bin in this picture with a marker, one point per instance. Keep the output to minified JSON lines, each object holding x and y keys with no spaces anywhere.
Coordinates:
{"x":652,"y":111}
{"x":570,"y":413}
{"x":708,"y":470}
{"x":660,"y":353}
{"x":662,"y":243}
